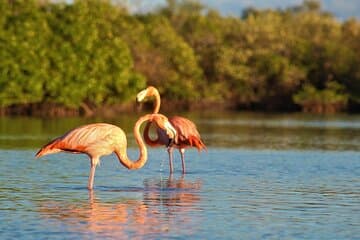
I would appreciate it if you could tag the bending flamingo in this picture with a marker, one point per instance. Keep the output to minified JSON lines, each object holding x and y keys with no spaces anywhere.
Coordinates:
{"x":101,"y":139}
{"x":187,"y":134}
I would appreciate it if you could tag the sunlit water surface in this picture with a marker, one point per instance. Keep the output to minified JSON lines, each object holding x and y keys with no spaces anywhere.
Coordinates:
{"x":263,"y":177}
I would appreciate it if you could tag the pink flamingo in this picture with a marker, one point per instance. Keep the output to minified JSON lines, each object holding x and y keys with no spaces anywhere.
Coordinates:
{"x":187,"y":134}
{"x":101,"y":139}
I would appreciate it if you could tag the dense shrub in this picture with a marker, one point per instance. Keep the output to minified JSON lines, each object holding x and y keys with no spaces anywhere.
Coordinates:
{"x":93,"y":52}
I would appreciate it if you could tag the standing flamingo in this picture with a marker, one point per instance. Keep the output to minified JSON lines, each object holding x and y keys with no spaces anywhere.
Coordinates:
{"x":101,"y":139}
{"x":187,"y":134}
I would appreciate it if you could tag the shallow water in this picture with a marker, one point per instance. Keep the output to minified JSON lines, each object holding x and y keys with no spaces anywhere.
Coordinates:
{"x":264,"y":177}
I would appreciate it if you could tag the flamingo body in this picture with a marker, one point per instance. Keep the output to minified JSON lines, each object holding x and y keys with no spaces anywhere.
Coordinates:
{"x":95,"y":140}
{"x":187,"y":134}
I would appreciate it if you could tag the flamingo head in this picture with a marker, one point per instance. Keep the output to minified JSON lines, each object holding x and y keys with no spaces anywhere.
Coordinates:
{"x":163,"y":122}
{"x":149,"y":91}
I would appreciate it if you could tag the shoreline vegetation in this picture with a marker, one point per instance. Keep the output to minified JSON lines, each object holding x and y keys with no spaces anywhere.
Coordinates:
{"x":58,"y":110}
{"x":91,"y":57}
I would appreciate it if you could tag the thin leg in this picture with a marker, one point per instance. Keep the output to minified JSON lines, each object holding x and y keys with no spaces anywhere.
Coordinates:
{"x":182,"y":152}
{"x":170,"y":181}
{"x":170,"y":151}
{"x":91,"y":197}
{"x":91,"y":176}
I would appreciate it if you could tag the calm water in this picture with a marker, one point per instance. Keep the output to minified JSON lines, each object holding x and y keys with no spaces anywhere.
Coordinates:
{"x":264,"y":177}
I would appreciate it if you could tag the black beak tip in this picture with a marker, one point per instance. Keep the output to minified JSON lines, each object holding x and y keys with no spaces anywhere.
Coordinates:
{"x":171,"y":141}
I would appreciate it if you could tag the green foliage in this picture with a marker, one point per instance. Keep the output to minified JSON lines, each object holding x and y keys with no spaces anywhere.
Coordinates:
{"x":65,"y":54}
{"x":94,"y":52}
{"x":265,"y":57}
{"x":23,"y":33}
{"x":330,"y":99}
{"x":181,"y":75}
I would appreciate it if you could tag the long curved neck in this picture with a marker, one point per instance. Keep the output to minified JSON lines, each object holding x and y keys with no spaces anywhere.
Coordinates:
{"x":148,"y":140}
{"x":156,"y":94}
{"x":122,"y":151}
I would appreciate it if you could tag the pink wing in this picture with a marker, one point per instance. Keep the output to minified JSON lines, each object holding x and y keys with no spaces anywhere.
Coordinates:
{"x":187,"y":133}
{"x":88,"y":139}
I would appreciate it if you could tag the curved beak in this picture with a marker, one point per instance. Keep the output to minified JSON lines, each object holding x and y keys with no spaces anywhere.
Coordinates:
{"x":141,"y":96}
{"x":170,"y":143}
{"x":172,"y":133}
{"x":139,"y":99}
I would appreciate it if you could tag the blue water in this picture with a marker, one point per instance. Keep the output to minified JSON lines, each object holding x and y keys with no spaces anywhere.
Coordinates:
{"x":260,"y":179}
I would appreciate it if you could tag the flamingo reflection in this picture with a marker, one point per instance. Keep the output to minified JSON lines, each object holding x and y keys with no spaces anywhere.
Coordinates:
{"x":167,"y":207}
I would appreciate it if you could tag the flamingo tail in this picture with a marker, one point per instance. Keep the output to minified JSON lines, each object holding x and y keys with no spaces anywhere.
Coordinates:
{"x":196,"y":142}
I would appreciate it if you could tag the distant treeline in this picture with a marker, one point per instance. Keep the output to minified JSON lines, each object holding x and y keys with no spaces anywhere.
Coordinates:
{"x":93,"y":53}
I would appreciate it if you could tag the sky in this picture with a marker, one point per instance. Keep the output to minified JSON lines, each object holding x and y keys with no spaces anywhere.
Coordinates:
{"x":342,"y":9}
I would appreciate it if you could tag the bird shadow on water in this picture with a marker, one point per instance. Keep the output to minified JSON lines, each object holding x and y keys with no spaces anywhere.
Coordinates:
{"x":165,"y":205}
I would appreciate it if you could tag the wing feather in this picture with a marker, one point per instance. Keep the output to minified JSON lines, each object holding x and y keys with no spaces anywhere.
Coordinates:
{"x":83,"y":138}
{"x":187,"y":132}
